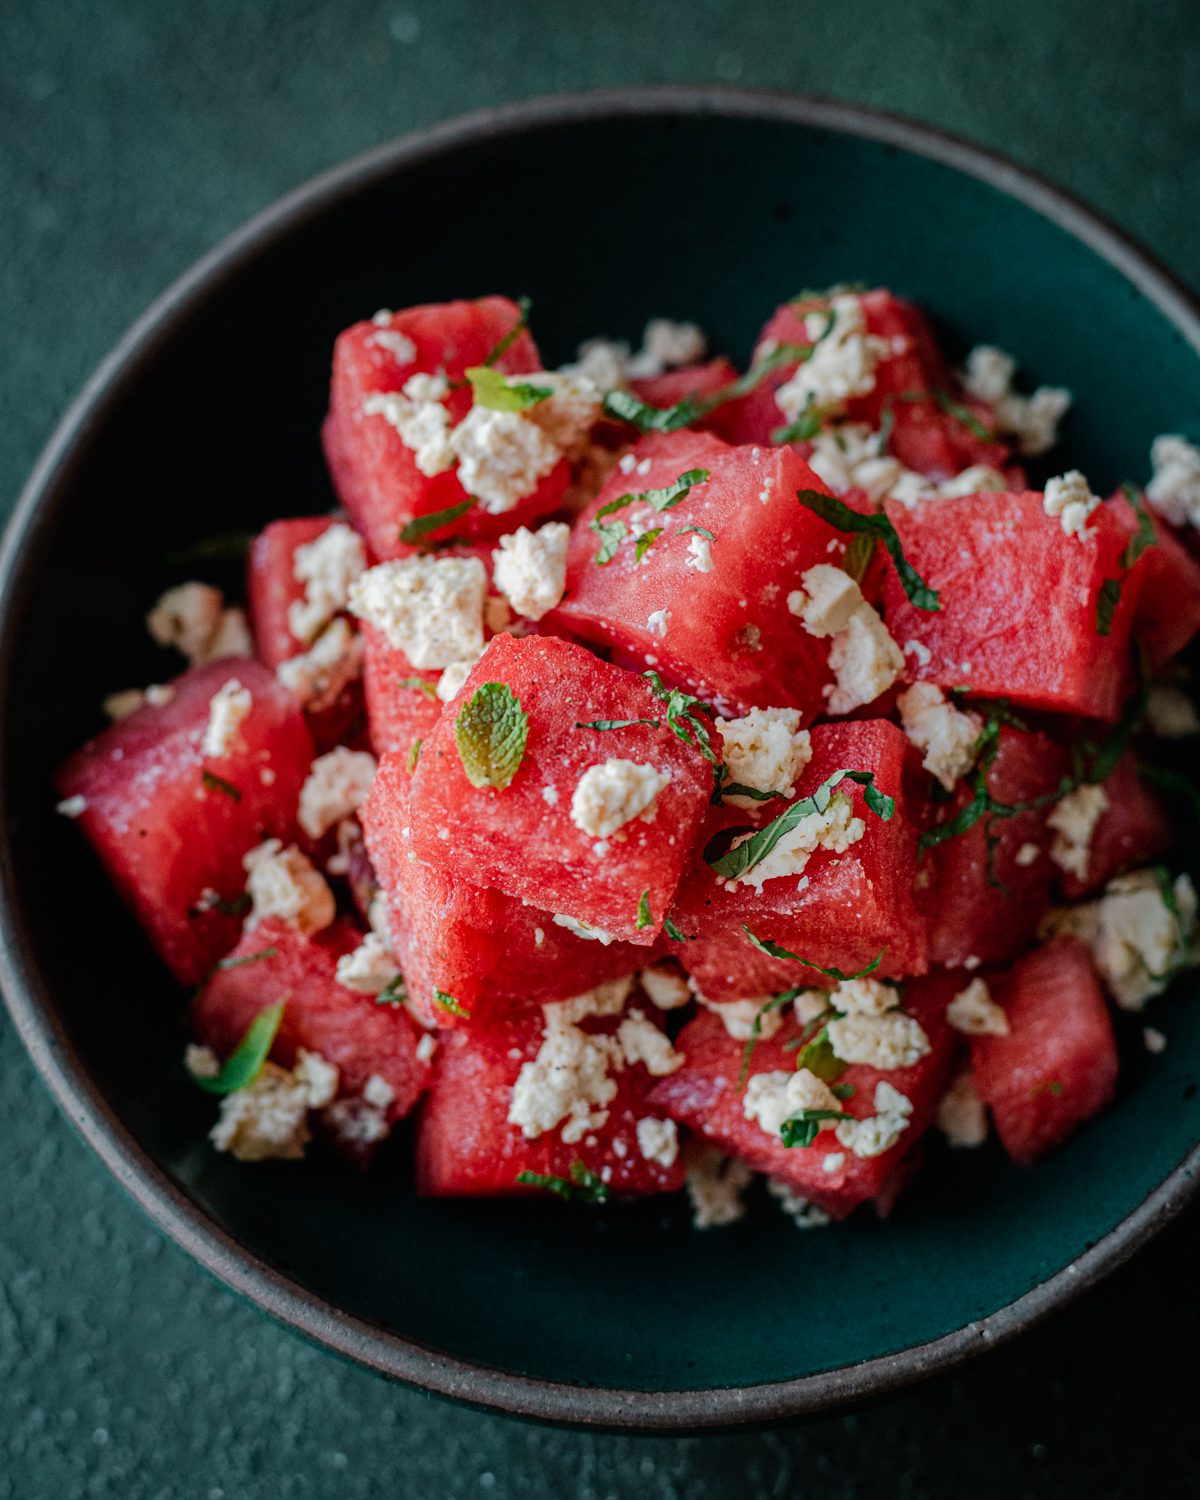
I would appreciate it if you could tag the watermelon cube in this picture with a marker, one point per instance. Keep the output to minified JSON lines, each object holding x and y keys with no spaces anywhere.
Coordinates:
{"x":1167,"y":580}
{"x":1058,"y":1064}
{"x":487,"y":950}
{"x":1018,"y":616}
{"x":1134,"y":830}
{"x":363,"y":1039}
{"x":402,"y":703}
{"x":171,"y":823}
{"x":710,"y":614}
{"x":615,"y":876}
{"x":843,"y":911}
{"x":699,"y":381}
{"x":374,"y":472}
{"x":704,"y":1095}
{"x":469,"y":1146}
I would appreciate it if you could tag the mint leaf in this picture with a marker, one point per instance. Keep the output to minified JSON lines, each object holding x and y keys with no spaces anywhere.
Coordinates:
{"x":394,"y":993}
{"x":739,"y":789}
{"x":877,"y":525}
{"x":644,"y":918}
{"x":524,"y":305}
{"x":858,"y":556}
{"x":804,"y":429}
{"x":414,"y":755}
{"x":803,"y":1129}
{"x":964,"y":415}
{"x":248,"y":958}
{"x":490,"y":732}
{"x":421,"y":526}
{"x":495,"y":391}
{"x":245,"y":1062}
{"x":219,"y":784}
{"x":626,"y":407}
{"x":419,"y":685}
{"x":449,"y":1003}
{"x":645,"y":542}
{"x":585,"y":1186}
{"x":699,"y":530}
{"x":774,"y":1003}
{"x":616,"y":723}
{"x":820,"y":1059}
{"x":1145,"y":536}
{"x":774,"y":950}
{"x":672,"y":931}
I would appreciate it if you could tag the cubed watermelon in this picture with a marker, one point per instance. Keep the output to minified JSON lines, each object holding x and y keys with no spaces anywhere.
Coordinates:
{"x":468,"y":1147}
{"x":171,"y":824}
{"x":1058,"y":1064}
{"x":402,"y":703}
{"x":711,"y":615}
{"x":674,"y":386}
{"x":1134,"y":830}
{"x":1018,"y":616}
{"x":523,"y":839}
{"x":374,"y":472}
{"x":704,"y":1095}
{"x":844,"y":910}
{"x":1167,"y":580}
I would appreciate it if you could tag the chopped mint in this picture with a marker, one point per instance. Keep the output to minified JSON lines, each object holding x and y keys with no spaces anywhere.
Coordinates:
{"x":245,"y":1062}
{"x":803,"y":1129}
{"x":421,"y":526}
{"x":804,"y":429}
{"x":645,"y":542}
{"x":774,"y":1003}
{"x":394,"y":993}
{"x":682,"y":721}
{"x":699,"y":530}
{"x":774,"y":950}
{"x":858,"y":556}
{"x":419,"y":685}
{"x":584,"y":1187}
{"x":449,"y":1003}
{"x":490,"y":732}
{"x":672,"y":931}
{"x":617,"y":723}
{"x":1145,"y":536}
{"x":739,"y":789}
{"x":236,"y":962}
{"x":877,"y":525}
{"x":964,"y":415}
{"x":524,"y":305}
{"x":819,"y":1058}
{"x":219,"y":784}
{"x":626,"y":407}
{"x":414,"y":755}
{"x":498,"y":393}
{"x":644,"y":918}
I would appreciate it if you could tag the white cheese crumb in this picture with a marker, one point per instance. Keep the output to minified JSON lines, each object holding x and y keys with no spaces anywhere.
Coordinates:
{"x":1069,"y":498}
{"x":975,"y":1013}
{"x":336,"y":786}
{"x":658,"y":622}
{"x":1174,"y":490}
{"x":369,"y":968}
{"x":1031,"y":420}
{"x":891,"y":1040}
{"x":863,"y":657}
{"x":398,"y":345}
{"x":530,"y":568}
{"x":269,"y":1118}
{"x":320,"y":675}
{"x":610,"y":795}
{"x":568,"y":416}
{"x":426,"y":1047}
{"x":431,"y":608}
{"x":416,"y":412}
{"x":642,"y":1042}
{"x":192,"y":619}
{"x":919,"y":651}
{"x":119,"y":706}
{"x":765,"y":749}
{"x":856,"y":997}
{"x":450,"y":683}
{"x":658,"y":1141}
{"x":502,"y":456}
{"x":1171,"y":713}
{"x":880,"y":1131}
{"x":1153,"y":1040}
{"x":841,"y":365}
{"x":700,"y":554}
{"x":665,"y":988}
{"x":803,"y":1214}
{"x":828,"y":601}
{"x":568,"y":1081}
{"x":667,"y":345}
{"x":583,"y":929}
{"x":835,"y":829}
{"x":962,"y":1114}
{"x":773,"y":1098}
{"x":201,"y":1062}
{"x":715,"y":1184}
{"x":738,"y":1016}
{"x":833,"y":1161}
{"x":326,"y":567}
{"x":1027,"y":855}
{"x":1074,"y":819}
{"x":282,"y":883}
{"x":228,"y":709}
{"x":72,"y":807}
{"x":947,"y":735}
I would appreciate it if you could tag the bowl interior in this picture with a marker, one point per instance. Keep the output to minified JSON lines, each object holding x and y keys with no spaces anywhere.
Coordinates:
{"x":604,"y":223}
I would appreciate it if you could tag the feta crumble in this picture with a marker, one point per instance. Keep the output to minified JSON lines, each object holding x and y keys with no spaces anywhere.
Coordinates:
{"x":887,"y":1041}
{"x":583,"y":930}
{"x":569,"y":414}
{"x":502,"y":456}
{"x":765,"y":749}
{"x":946,"y":735}
{"x":1027,"y":855}
{"x":658,"y":622}
{"x":450,"y":683}
{"x":417,"y":413}
{"x":431,"y":608}
{"x":878,"y":1132}
{"x":841,"y":365}
{"x":803,"y":1214}
{"x":1174,"y":489}
{"x":973,"y":1012}
{"x":1074,"y":819}
{"x":738,"y":1016}
{"x":610,"y":795}
{"x":715,"y":1184}
{"x":658,"y":1141}
{"x":120,"y":705}
{"x":1153,"y":1040}
{"x":530,"y":568}
{"x":398,"y":345}
{"x":228,"y":709}
{"x":962,"y":1114}
{"x":835,"y":829}
{"x":1031,"y":420}
{"x":283,"y":883}
{"x":369,"y":968}
{"x":192,"y":618}
{"x":700,"y":554}
{"x":72,"y":807}
{"x":863,"y":657}
{"x":269,"y":1118}
{"x":773,"y":1098}
{"x":1069,"y":498}
{"x":665,"y":988}
{"x":856,"y":997}
{"x":325,"y":567}
{"x":320,"y":675}
{"x":336,"y":786}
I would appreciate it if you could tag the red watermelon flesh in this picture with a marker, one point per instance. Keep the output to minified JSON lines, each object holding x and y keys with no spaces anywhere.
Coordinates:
{"x":467,"y":1148}
{"x":972,"y":917}
{"x":704,"y":1096}
{"x":844,"y":911}
{"x":522,"y":840}
{"x":374,"y":473}
{"x":700,"y":381}
{"x":1167,"y":580}
{"x":728,"y":635}
{"x":1018,"y":616}
{"x":487,"y":950}
{"x":362,"y":1038}
{"x":167,"y":836}
{"x":399,"y":712}
{"x":1134,"y":829}
{"x":1058,"y":1064}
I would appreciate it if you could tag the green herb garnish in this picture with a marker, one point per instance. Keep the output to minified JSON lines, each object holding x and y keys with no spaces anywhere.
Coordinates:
{"x":645,"y":542}
{"x":496,"y":392}
{"x":838,"y":514}
{"x":524,"y":306}
{"x":449,"y":1003}
{"x":245,"y":1062}
{"x":617,"y":723}
{"x":774,"y":950}
{"x":739,"y":789}
{"x":699,"y":530}
{"x":684,"y":720}
{"x":644,"y":918}
{"x":803,"y":1129}
{"x":414,"y":755}
{"x":490,"y":732}
{"x":585,"y":1186}
{"x":421,"y":526}
{"x":672,"y":931}
{"x":858,"y":556}
{"x":820,"y":1059}
{"x":419,"y":685}
{"x":774,"y":1003}
{"x":219,"y":784}
{"x":1144,"y":537}
{"x":626,"y":407}
{"x":236,"y":962}
{"x":394,"y":993}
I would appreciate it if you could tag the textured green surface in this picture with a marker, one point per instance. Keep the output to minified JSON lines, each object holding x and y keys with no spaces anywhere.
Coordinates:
{"x":132,"y":143}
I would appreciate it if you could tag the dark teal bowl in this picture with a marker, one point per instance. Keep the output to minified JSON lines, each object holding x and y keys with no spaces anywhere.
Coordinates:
{"x":609,"y":208}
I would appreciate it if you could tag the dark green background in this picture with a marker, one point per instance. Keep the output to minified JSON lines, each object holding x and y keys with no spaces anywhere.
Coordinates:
{"x":133,"y":135}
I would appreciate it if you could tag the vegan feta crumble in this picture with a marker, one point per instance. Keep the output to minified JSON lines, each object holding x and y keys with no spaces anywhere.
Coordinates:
{"x":612,"y":794}
{"x":192,"y":619}
{"x":336,"y":786}
{"x":947,"y":736}
{"x":765,"y":749}
{"x":321,"y":674}
{"x":228,"y":709}
{"x":530,"y":568}
{"x":863,"y":657}
{"x":1032,"y":420}
{"x":1074,"y":819}
{"x":283,"y":883}
{"x":431,"y":608}
{"x":1068,"y":497}
{"x":974,"y":1013}
{"x":325,"y":567}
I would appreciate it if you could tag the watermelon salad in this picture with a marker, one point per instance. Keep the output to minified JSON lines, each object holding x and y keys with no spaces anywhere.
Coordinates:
{"x":658,"y":774}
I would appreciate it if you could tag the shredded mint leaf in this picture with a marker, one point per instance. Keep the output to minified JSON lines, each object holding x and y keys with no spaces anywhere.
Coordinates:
{"x":819,"y":1058}
{"x":1144,"y":537}
{"x":666,"y":498}
{"x":672,"y":931}
{"x":414,"y":755}
{"x":617,"y":723}
{"x":490,"y":732}
{"x":611,"y":533}
{"x":804,"y":429}
{"x":449,"y":1003}
{"x":684,"y":720}
{"x":699,"y":530}
{"x":858,"y":556}
{"x":421,"y":526}
{"x":247,"y":958}
{"x":626,"y":407}
{"x":774,"y":950}
{"x":774,"y":1003}
{"x":585,"y":1186}
{"x":245,"y":1062}
{"x":887,"y":423}
{"x":964,"y":415}
{"x":739,"y":789}
{"x":219,"y":784}
{"x":1106,"y":602}
{"x":803,"y":1129}
{"x":524,"y":306}
{"x":755,"y":849}
{"x":843,"y":1090}
{"x":420,"y":685}
{"x":841,"y":516}
{"x":395,"y":992}
{"x":644,"y":918}
{"x":497,"y":392}
{"x":645,"y":542}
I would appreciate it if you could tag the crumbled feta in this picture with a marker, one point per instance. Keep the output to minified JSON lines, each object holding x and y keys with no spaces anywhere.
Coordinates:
{"x":1027,"y":855}
{"x":325,"y":567}
{"x":417,"y":413}
{"x":835,"y":829}
{"x":765,"y":749}
{"x":947,"y":735}
{"x":502,"y":455}
{"x":1074,"y":819}
{"x":269,"y":1118}
{"x":1174,"y":490}
{"x":398,"y":345}
{"x":667,"y":345}
{"x":431,"y":608}
{"x":1069,"y":498}
{"x":119,"y":706}
{"x":666,"y":988}
{"x":863,"y":657}
{"x":1153,"y":1040}
{"x":857,"y":997}
{"x":878,"y":1132}
{"x":1171,"y":713}
{"x":74,"y":807}
{"x":610,"y":795}
{"x":336,"y":786}
{"x":192,"y":619}
{"x":841,"y":365}
{"x":975,"y":1013}
{"x":828,"y":601}
{"x":919,"y":651}
{"x":282,"y":883}
{"x":658,"y":1141}
{"x":369,"y":968}
{"x":809,"y":1004}
{"x":569,"y":414}
{"x":320,"y":675}
{"x":568,"y":1081}
{"x":962,"y":1114}
{"x":715,"y":1184}
{"x":642,"y":1042}
{"x":658,"y":622}
{"x":605,"y":362}
{"x":700,"y":554}
{"x":772,"y":1098}
{"x":803,"y":1214}
{"x":450,"y":683}
{"x":530,"y":568}
{"x":891,"y":1040}
{"x":228,"y":709}
{"x":738,"y":1016}
{"x":583,"y":930}
{"x":201,"y":1062}
{"x":1031,"y":420}
{"x":426,"y":1047}
{"x":850,"y":456}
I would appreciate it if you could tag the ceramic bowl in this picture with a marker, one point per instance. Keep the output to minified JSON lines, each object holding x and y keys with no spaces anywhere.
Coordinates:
{"x":606,"y":209}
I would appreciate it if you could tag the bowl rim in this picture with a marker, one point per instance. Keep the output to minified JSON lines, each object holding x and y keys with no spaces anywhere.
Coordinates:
{"x":28,"y":998}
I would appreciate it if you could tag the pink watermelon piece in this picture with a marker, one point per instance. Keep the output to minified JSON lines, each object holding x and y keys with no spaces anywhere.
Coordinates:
{"x":844,"y":911}
{"x":1018,"y":616}
{"x":704,"y":1095}
{"x":467,"y":1148}
{"x":1167,"y":580}
{"x":708,"y":379}
{"x":400,"y":711}
{"x":1058,"y":1064}
{"x":725,"y":634}
{"x":522,"y":840}
{"x":374,"y":473}
{"x":171,"y":825}
{"x":1134,"y":829}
